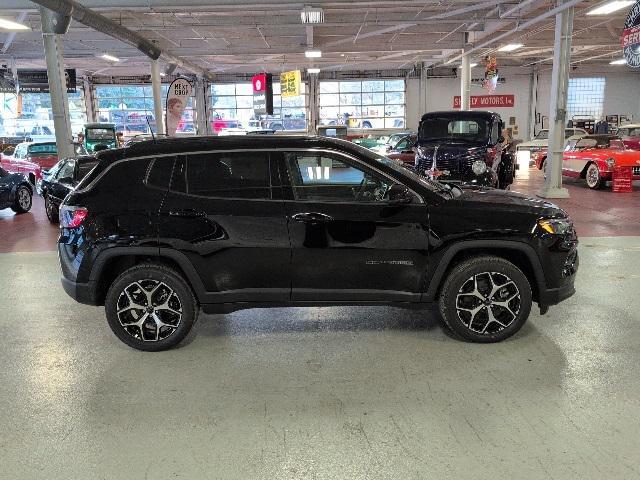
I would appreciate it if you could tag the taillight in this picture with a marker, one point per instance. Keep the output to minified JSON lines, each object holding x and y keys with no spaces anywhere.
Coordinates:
{"x":72,"y":217}
{"x":490,"y":156}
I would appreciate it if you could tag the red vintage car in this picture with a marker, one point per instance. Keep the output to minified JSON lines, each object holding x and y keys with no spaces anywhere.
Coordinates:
{"x":32,"y":171}
{"x":630,"y":135}
{"x":45,"y":154}
{"x":594,"y":158}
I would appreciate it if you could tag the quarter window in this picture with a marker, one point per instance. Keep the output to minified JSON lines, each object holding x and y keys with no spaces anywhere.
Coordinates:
{"x":327,"y":179}
{"x":66,"y":171}
{"x":224,"y":175}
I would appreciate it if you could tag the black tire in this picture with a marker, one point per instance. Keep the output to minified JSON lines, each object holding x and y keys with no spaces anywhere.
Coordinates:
{"x":24,"y":200}
{"x":156,"y":280}
{"x":457,"y":303}
{"x":592,"y":177}
{"x":51,"y":210}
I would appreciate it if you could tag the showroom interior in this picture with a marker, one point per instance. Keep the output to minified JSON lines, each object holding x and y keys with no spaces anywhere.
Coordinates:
{"x":343,"y":389}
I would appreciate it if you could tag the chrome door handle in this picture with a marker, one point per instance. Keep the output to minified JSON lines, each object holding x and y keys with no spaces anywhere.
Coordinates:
{"x":312,"y":217}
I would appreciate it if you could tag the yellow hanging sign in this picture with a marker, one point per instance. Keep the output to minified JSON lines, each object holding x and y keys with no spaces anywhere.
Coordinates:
{"x":290,"y":83}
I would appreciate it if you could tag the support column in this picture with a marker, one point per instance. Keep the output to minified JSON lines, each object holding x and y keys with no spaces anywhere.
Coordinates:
{"x":314,"y":101}
{"x":423,"y":90}
{"x":465,"y":83}
{"x":52,"y":26}
{"x":552,"y":187}
{"x":89,"y":101}
{"x":201,"y":107}
{"x":156,"y":87}
{"x":533,"y":104}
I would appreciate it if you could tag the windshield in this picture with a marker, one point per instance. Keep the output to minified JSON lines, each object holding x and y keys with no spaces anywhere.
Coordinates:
{"x":100,"y":134}
{"x":473,"y":129}
{"x":43,"y":148}
{"x":543,"y":135}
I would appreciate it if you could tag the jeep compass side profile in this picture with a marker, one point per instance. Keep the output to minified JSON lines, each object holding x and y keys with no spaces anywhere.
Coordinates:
{"x":161,"y":229}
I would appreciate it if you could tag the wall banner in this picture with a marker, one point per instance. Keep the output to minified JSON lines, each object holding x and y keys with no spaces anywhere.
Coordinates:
{"x":488,"y":101}
{"x":177,"y":98}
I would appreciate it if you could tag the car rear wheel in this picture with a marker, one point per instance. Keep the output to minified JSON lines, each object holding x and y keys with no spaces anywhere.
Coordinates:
{"x":150,"y":307}
{"x":485,"y":299}
{"x":51,"y":210}
{"x":23,"y":200}
{"x":593,"y":178}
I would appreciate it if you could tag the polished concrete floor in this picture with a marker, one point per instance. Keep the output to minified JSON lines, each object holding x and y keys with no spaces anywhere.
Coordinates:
{"x":326,"y":393}
{"x":344,"y":393}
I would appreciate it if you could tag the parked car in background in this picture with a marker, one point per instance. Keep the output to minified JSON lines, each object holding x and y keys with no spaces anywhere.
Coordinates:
{"x":630,"y":135}
{"x":45,"y":154}
{"x":15,"y":192}
{"x":541,"y":140}
{"x":464,"y":147}
{"x":594,"y":157}
{"x":371,"y":141}
{"x":32,"y":171}
{"x":404,"y":150}
{"x":61,"y":180}
{"x":101,"y":135}
{"x":391,"y":140}
{"x":162,"y":229}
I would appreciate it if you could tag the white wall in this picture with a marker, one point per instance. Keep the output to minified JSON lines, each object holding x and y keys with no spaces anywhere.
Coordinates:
{"x":622,"y":94}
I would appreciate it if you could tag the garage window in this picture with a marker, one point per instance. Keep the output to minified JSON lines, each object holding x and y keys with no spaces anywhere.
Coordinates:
{"x":363,"y":103}
{"x":130,"y":106}
{"x":232,"y":107}
{"x":585,"y":97}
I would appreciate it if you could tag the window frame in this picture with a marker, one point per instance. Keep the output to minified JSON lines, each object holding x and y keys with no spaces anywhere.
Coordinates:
{"x":287,"y":183}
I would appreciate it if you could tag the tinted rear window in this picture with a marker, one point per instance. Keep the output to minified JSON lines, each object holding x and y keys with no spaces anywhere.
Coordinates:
{"x":85,"y":167}
{"x":224,"y":175}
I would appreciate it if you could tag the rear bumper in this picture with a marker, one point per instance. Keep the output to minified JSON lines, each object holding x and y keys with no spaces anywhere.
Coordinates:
{"x":80,"y":292}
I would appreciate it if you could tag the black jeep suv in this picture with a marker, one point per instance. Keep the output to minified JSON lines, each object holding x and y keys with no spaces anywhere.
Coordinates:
{"x":163,"y":228}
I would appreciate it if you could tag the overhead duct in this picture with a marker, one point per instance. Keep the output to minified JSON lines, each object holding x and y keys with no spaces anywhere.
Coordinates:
{"x":103,"y":24}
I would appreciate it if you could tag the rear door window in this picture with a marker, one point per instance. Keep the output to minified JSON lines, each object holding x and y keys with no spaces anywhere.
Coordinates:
{"x":224,"y":175}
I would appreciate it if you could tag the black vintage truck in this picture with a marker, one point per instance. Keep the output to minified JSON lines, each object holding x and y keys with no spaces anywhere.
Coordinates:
{"x":465,"y":147}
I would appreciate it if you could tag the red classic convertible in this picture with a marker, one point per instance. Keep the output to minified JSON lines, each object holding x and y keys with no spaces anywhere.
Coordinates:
{"x":593,"y":158}
{"x":32,"y":171}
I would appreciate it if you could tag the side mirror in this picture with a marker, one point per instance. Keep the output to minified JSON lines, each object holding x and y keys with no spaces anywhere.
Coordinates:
{"x":399,"y":194}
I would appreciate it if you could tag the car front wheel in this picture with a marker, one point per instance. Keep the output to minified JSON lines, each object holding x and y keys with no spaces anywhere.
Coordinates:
{"x":150,"y":307}
{"x":593,"y":178}
{"x":485,"y":299}
{"x":23,"y":200}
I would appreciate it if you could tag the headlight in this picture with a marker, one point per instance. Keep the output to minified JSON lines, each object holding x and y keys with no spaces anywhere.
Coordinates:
{"x":556,"y":226}
{"x":479,"y":167}
{"x":611,"y":162}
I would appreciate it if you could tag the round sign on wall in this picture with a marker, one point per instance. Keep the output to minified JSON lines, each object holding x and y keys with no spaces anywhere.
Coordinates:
{"x":631,"y":37}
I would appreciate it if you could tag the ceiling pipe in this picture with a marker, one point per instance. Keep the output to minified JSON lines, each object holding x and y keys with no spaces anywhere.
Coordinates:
{"x":520,"y":27}
{"x":107,"y":26}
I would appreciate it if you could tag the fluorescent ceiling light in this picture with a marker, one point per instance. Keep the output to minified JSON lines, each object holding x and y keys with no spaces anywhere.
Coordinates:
{"x":111,"y":58}
{"x":313,"y":54}
{"x":313,"y":70}
{"x":10,"y":25}
{"x":610,"y":7}
{"x":620,"y":61}
{"x":510,"y":47}
{"x":312,"y":15}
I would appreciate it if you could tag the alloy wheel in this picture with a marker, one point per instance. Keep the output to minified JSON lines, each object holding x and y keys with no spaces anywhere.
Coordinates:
{"x":24,"y":199}
{"x":488,"y":302}
{"x":149,"y":310}
{"x":593,"y":176}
